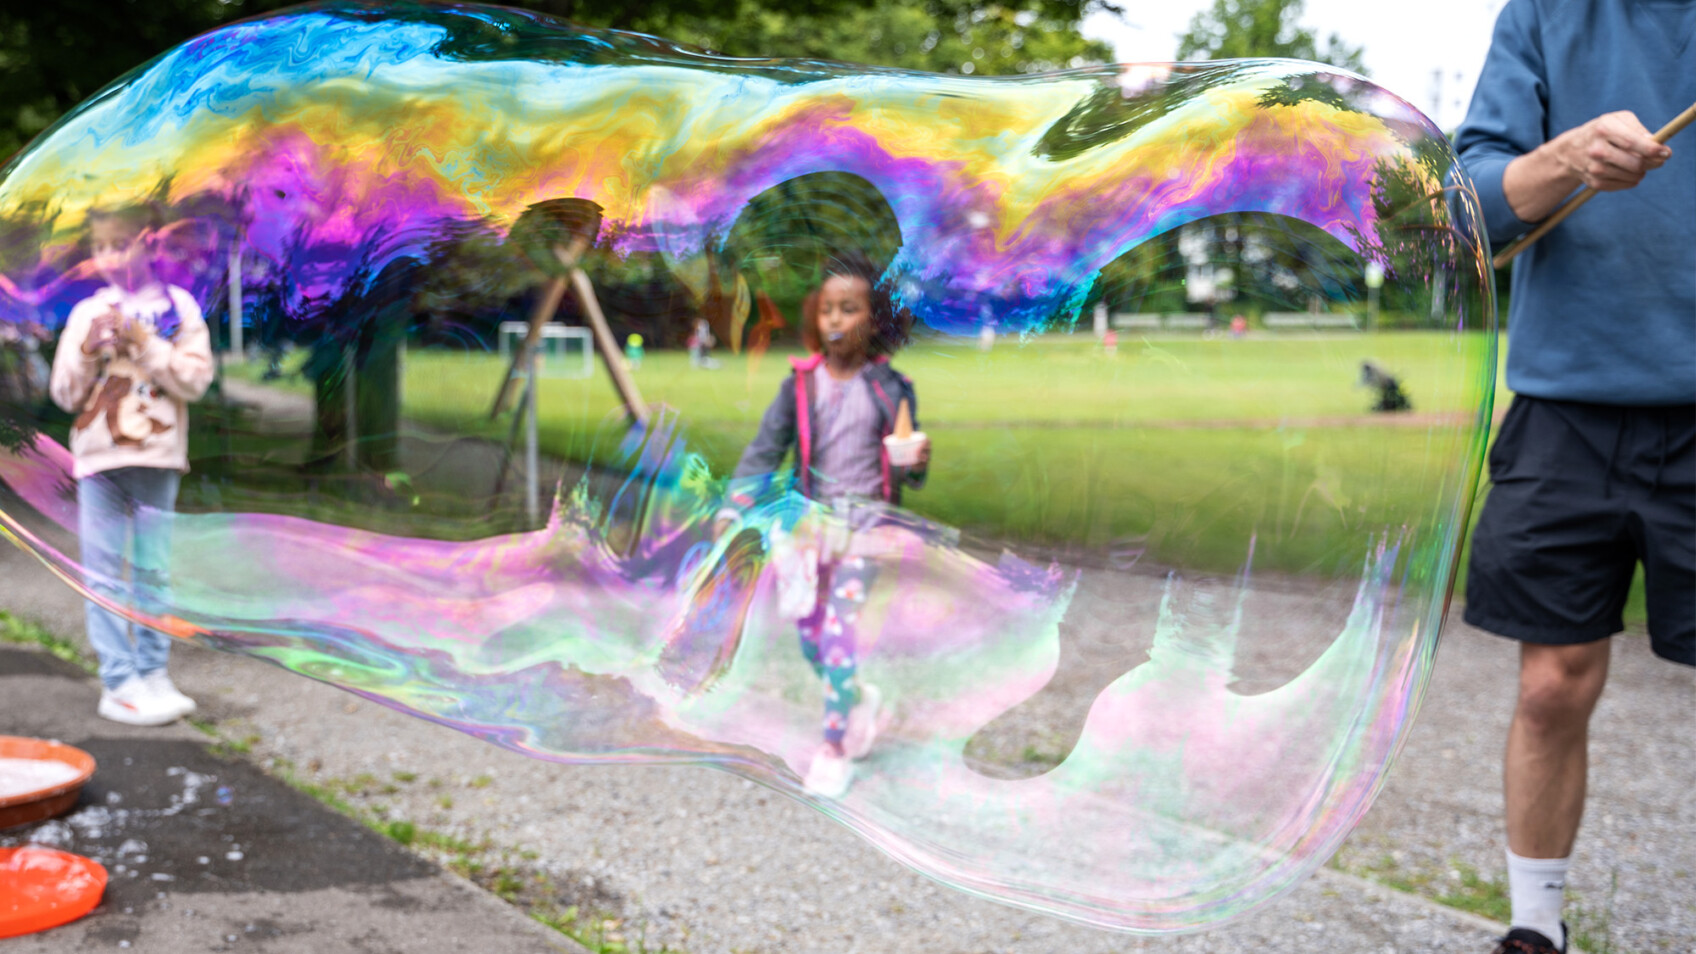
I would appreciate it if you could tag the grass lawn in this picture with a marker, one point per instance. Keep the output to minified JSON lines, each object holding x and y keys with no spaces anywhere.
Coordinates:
{"x":1180,"y":446}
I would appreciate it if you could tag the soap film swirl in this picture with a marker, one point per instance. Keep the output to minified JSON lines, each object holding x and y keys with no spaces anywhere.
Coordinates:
{"x":336,"y":150}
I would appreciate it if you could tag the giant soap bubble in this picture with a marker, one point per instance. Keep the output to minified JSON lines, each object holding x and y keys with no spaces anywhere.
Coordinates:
{"x":1146,"y":633}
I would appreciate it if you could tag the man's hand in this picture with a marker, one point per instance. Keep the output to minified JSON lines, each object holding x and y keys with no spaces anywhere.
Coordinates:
{"x":1609,"y":153}
{"x":720,"y":525}
{"x":924,"y":453}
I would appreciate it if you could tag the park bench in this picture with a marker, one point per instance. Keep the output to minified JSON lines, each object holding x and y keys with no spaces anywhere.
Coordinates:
{"x":1283,"y":320}
{"x":1186,"y":322}
{"x":1134,"y":322}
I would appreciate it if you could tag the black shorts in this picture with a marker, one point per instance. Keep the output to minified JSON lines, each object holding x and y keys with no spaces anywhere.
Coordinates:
{"x":1582,"y":492}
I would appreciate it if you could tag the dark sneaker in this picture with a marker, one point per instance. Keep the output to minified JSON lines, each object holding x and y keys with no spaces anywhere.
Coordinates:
{"x":1527,"y":941}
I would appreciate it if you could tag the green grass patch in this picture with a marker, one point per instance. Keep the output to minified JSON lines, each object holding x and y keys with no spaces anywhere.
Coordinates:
{"x":25,"y":632}
{"x":1462,"y":887}
{"x":326,"y":795}
{"x":601,"y":934}
{"x":1592,"y":930}
{"x":1458,"y":885}
{"x":1180,"y":448}
{"x":449,"y":844}
{"x":1035,"y":756}
{"x":1467,"y":890}
{"x":1183,"y":447}
{"x":512,"y":876}
{"x":404,"y":832}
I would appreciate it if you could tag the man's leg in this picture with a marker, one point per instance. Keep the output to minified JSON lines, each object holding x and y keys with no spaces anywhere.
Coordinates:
{"x":1545,"y":771}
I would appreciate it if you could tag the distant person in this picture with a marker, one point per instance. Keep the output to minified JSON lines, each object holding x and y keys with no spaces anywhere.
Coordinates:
{"x":633,"y":352}
{"x":23,"y":372}
{"x":1110,"y":343}
{"x":701,"y":343}
{"x":834,"y":413}
{"x":1594,"y":467}
{"x":1239,"y":326}
{"x":1388,"y":387}
{"x":133,"y":355}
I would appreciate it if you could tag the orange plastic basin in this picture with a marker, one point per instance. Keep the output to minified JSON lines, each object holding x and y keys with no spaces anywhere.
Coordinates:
{"x":42,"y":888}
{"x":25,"y":807}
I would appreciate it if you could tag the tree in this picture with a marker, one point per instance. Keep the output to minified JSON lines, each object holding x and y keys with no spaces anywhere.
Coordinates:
{"x":1249,"y":28}
{"x":55,"y":55}
{"x":1237,"y":29}
{"x":1022,"y":36}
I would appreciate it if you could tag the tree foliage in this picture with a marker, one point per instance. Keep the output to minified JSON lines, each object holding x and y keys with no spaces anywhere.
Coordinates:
{"x":1251,"y":28}
{"x":1022,"y":36}
{"x":55,"y":55}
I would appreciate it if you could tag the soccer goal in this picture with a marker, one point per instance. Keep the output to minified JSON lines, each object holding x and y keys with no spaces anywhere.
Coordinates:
{"x":565,"y":351}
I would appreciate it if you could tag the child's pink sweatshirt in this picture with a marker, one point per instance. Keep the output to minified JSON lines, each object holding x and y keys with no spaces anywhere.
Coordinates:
{"x":132,"y":409}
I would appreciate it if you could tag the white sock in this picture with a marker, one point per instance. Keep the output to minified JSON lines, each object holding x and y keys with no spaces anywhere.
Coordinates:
{"x":1537,"y":886}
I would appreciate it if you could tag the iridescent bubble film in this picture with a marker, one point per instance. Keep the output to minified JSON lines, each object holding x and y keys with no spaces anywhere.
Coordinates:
{"x":1204,"y":355}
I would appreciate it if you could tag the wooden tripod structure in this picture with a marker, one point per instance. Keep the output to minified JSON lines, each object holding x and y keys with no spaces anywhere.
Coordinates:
{"x":556,"y":234}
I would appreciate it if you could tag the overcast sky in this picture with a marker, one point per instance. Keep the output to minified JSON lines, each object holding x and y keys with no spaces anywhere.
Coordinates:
{"x":1408,"y":43}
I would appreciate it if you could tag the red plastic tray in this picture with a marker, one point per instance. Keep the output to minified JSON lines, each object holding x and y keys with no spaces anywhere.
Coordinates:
{"x":42,"y":888}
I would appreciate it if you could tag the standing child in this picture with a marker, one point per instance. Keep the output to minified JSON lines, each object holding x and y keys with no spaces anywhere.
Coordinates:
{"x":132,"y":357}
{"x":701,"y":343}
{"x":834,"y":412}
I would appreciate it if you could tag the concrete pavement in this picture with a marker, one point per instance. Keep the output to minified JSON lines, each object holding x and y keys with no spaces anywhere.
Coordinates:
{"x":703,"y":862}
{"x":208,"y":853}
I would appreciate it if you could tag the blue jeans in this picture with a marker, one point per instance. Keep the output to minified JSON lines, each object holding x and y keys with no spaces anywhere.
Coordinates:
{"x":124,"y":521}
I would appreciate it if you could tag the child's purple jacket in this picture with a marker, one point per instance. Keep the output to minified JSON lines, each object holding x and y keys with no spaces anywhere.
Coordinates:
{"x":789,"y":424}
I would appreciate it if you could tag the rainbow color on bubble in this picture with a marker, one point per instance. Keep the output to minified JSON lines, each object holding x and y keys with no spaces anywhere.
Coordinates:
{"x":335,"y":142}
{"x":345,"y":126}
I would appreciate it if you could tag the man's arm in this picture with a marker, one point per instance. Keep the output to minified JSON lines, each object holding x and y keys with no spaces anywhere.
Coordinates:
{"x":1608,"y":153}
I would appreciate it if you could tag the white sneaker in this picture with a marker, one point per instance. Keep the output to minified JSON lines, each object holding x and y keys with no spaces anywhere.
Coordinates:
{"x":159,"y":683}
{"x":862,"y":723}
{"x":830,"y":773}
{"x":133,"y":703}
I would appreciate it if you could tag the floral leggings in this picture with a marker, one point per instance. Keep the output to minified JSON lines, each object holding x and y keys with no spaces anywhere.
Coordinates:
{"x":827,"y":637}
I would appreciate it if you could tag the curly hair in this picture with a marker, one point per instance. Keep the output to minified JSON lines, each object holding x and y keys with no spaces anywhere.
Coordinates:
{"x":891,"y":326}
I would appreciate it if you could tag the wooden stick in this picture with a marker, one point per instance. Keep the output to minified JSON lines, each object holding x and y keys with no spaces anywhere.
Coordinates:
{"x":611,"y":354}
{"x":543,"y":313}
{"x":1584,"y":195}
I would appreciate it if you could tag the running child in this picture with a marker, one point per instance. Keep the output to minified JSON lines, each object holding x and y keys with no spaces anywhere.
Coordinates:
{"x":833,"y":412}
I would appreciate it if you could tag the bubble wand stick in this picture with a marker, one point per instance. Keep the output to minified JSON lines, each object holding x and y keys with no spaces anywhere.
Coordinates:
{"x":1584,"y":195}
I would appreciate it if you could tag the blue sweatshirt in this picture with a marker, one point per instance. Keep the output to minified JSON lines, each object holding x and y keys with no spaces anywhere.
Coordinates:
{"x":1604,"y":306}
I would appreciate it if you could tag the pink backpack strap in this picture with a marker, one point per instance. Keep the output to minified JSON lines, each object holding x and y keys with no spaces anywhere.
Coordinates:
{"x":882,"y":450}
{"x":804,"y":426}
